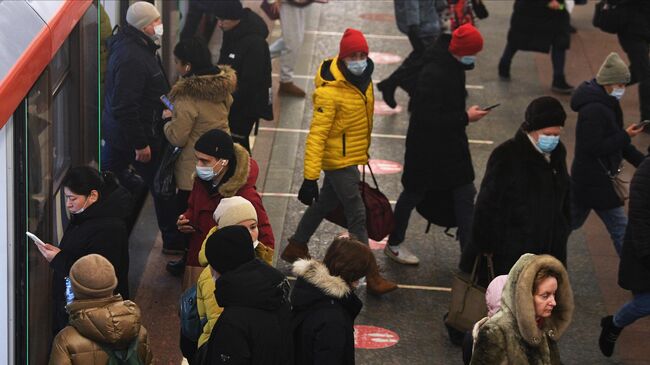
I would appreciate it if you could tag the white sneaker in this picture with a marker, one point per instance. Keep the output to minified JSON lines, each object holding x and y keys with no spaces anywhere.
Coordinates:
{"x":404,"y":256}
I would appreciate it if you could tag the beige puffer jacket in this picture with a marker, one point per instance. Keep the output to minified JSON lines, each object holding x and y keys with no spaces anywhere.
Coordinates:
{"x":111,"y":322}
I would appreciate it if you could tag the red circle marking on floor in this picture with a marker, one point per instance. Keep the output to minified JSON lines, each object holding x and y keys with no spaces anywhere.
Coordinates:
{"x":371,"y":337}
{"x":381,"y":167}
{"x":379,"y":17}
{"x":378,"y":245}
{"x":382,"y":58}
{"x":382,"y":109}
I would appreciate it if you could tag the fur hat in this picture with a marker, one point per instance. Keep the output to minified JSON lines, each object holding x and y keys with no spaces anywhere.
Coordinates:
{"x":141,"y":13}
{"x":234,"y":210}
{"x":228,"y":9}
{"x":92,"y":276}
{"x":216,"y":143}
{"x":466,"y":40}
{"x":543,"y":112}
{"x":228,"y":248}
{"x":352,"y":41}
{"x":613,"y":71}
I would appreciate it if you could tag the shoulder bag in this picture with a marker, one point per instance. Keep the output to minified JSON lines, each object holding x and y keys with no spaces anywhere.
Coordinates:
{"x":468,"y":298}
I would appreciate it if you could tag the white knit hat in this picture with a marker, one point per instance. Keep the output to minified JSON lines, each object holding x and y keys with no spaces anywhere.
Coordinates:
{"x":232,"y":211}
{"x":140,"y":14}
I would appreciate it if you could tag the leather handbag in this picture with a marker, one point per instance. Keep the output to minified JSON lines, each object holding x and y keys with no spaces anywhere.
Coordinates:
{"x":379,"y":214}
{"x":621,"y":187}
{"x":468,"y":298}
{"x":609,"y":16}
{"x":164,"y":182}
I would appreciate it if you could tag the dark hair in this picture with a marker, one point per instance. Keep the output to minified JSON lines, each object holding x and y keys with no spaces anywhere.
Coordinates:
{"x":543,"y":274}
{"x":349,"y":259}
{"x":83,"y":179}
{"x":195,"y":52}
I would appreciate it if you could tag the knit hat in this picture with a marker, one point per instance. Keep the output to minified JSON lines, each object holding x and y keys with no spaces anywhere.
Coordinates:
{"x":544,"y":112}
{"x":216,"y":143}
{"x":228,"y":248}
{"x":92,"y":276}
{"x":466,"y":40}
{"x":228,"y":9}
{"x":234,"y":210}
{"x":613,"y":71}
{"x":493,"y":294}
{"x":140,"y":14}
{"x":352,"y":41}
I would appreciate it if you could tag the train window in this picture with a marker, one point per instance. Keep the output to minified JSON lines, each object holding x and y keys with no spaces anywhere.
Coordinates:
{"x":60,"y":63}
{"x":65,"y":123}
{"x":90,"y":118}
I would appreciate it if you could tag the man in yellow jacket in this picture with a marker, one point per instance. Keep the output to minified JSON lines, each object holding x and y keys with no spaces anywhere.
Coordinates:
{"x":337,"y":143}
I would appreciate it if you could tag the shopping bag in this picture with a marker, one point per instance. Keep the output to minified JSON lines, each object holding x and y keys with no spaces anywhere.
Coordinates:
{"x":468,"y":298}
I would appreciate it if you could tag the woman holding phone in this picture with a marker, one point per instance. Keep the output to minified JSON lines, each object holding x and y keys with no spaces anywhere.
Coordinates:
{"x":98,"y":208}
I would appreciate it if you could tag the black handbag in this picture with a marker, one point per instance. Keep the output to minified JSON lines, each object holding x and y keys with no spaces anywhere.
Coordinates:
{"x":164,"y":183}
{"x":609,"y":16}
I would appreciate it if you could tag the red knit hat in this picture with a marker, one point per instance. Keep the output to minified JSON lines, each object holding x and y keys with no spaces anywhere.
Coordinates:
{"x":352,"y":41}
{"x":466,"y":40}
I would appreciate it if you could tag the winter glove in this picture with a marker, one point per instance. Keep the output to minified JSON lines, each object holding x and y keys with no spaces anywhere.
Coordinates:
{"x":308,"y":192}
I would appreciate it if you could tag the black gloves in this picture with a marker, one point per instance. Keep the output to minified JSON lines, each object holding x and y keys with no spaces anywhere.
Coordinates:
{"x":308,"y":192}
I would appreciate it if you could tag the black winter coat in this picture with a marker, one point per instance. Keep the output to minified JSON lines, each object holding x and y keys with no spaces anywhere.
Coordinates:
{"x":637,"y":19}
{"x":437,"y":150}
{"x":601,"y":144}
{"x":245,"y":49}
{"x":100,"y":229}
{"x":523,"y":205}
{"x":255,"y":325}
{"x":535,"y":27}
{"x":634,"y":269}
{"x":134,"y":83}
{"x":324,"y":309}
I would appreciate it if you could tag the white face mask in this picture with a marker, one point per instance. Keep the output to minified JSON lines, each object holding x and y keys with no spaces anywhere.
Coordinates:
{"x":158,"y":30}
{"x":617,"y":93}
{"x":82,"y":208}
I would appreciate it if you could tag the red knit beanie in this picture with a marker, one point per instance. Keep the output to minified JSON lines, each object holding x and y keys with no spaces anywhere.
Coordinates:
{"x":466,"y":40}
{"x":352,"y":41}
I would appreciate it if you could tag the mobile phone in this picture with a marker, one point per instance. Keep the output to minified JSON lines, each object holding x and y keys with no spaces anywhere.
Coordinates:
{"x":35,"y":238}
{"x":491,"y":107}
{"x":642,"y":123}
{"x":165,"y":100}
{"x":196,"y":228}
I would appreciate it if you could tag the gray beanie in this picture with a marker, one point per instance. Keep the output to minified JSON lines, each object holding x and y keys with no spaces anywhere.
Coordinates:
{"x":613,"y":71}
{"x":141,"y":14}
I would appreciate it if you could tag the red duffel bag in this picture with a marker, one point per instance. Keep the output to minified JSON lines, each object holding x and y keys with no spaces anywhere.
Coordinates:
{"x":379,"y":214}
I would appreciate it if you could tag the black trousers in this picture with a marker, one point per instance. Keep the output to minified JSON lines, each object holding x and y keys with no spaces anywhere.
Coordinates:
{"x":637,"y":50}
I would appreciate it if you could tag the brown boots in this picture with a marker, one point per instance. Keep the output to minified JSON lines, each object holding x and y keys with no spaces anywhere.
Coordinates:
{"x":290,"y":89}
{"x":295,"y":251}
{"x":376,"y":284}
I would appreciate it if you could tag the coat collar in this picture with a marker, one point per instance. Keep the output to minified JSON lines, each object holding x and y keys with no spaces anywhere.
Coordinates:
{"x":317,"y":274}
{"x":214,"y":88}
{"x":529,"y":152}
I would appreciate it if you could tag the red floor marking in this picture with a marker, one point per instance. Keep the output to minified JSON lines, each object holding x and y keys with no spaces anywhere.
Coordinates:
{"x":371,"y":337}
{"x":382,"y":109}
{"x":382,"y":167}
{"x":379,"y":17}
{"x":382,"y":58}
{"x":378,"y":245}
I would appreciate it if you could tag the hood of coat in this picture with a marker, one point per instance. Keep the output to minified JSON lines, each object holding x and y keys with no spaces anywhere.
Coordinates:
{"x":317,"y":274}
{"x":254,"y":284}
{"x":245,"y":173}
{"x":211,"y":87}
{"x":114,"y":202}
{"x":517,"y":299}
{"x":250,"y":24}
{"x":591,"y":92}
{"x":330,"y":73}
{"x":439,"y":52}
{"x":108,"y":320}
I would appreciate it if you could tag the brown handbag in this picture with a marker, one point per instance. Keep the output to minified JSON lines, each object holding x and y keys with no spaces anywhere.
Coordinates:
{"x":621,"y":187}
{"x":468,"y":298}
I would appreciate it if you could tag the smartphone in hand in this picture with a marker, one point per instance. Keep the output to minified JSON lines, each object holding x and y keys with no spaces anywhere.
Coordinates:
{"x":35,"y":238}
{"x":642,"y":124}
{"x":165,"y":100}
{"x":491,"y":107}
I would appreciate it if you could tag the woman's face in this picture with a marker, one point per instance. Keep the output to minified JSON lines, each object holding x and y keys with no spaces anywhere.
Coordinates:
{"x":181,"y":68}
{"x":251,"y":225}
{"x":545,"y":297}
{"x":76,"y":203}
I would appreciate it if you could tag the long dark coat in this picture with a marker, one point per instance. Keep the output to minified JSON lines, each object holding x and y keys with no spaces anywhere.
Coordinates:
{"x":535,"y":27}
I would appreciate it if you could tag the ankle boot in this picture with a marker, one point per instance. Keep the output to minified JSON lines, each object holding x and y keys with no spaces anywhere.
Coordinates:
{"x":295,"y":251}
{"x":376,"y":284}
{"x":608,"y":335}
{"x":387,"y":88}
{"x":504,"y":71}
{"x":560,"y":86}
{"x":177,"y":267}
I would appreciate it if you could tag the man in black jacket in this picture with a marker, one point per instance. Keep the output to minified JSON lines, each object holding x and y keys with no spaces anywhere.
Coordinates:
{"x":437,"y":150}
{"x":245,"y":49}
{"x":634,"y":269}
{"x":131,"y":121}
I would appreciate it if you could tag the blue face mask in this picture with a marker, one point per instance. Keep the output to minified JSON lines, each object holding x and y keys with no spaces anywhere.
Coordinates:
{"x":617,"y":93}
{"x":205,"y":173}
{"x":468,"y":60}
{"x":547,"y":143}
{"x":357,"y":67}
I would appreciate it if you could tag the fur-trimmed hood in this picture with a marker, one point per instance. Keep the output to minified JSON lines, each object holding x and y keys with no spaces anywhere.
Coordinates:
{"x":214,"y":88}
{"x":316,"y":273}
{"x":243,"y":174}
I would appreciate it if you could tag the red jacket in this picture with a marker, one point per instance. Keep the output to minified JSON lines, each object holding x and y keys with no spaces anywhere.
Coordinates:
{"x":201,"y":205}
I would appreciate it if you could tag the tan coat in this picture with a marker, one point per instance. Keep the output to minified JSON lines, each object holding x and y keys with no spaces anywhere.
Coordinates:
{"x":201,"y":103}
{"x":111,"y":322}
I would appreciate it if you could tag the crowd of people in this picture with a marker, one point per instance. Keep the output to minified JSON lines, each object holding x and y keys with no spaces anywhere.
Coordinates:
{"x":244,"y":310}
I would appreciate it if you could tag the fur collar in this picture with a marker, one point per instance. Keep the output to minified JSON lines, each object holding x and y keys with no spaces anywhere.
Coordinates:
{"x":240,"y":177}
{"x":316,"y":273}
{"x":214,"y":88}
{"x":518,"y":302}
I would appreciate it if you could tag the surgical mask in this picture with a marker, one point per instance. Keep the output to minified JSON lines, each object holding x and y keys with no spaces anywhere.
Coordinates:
{"x":617,"y":93}
{"x":357,"y":67}
{"x":547,"y":143}
{"x":468,"y":60}
{"x":82,"y":208}
{"x":206,"y":173}
{"x":256,"y":243}
{"x":158,"y":30}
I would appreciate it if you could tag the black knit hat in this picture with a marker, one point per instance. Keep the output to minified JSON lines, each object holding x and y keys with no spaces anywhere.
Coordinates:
{"x":544,"y":112}
{"x":195,"y":52}
{"x":228,"y":9}
{"x":216,"y":143}
{"x":228,"y":248}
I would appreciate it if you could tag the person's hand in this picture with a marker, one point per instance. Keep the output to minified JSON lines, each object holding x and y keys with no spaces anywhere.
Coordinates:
{"x":308,"y":192}
{"x":475,"y":113}
{"x":554,"y":5}
{"x":634,"y":130}
{"x":166,"y":114}
{"x":183,"y":226}
{"x":48,"y":251}
{"x":143,"y":155}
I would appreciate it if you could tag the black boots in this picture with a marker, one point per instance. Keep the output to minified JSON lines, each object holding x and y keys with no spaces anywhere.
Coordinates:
{"x":387,"y":88}
{"x":608,"y":335}
{"x":504,"y":71}
{"x":560,"y":85}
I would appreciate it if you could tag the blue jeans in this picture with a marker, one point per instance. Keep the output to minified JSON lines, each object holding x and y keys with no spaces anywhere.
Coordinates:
{"x":615,"y":221}
{"x":638,"y":307}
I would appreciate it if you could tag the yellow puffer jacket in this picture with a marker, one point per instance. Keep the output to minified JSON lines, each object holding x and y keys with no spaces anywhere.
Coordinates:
{"x":206,"y":303}
{"x":340,"y":128}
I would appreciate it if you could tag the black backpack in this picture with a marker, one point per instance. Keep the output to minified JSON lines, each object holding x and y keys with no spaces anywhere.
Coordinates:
{"x":438,"y":209}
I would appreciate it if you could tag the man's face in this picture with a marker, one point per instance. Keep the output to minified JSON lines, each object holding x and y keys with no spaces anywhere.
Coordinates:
{"x":149,"y":29}
{"x":227,"y":24}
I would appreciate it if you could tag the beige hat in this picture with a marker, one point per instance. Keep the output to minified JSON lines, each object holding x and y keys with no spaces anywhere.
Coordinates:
{"x":141,"y":13}
{"x":234,"y":210}
{"x":613,"y":71}
{"x":92,"y":276}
